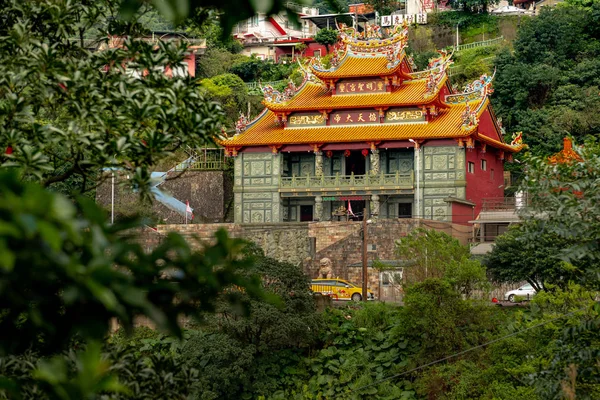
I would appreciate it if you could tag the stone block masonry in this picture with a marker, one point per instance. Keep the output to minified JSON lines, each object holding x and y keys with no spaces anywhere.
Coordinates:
{"x":306,"y":243}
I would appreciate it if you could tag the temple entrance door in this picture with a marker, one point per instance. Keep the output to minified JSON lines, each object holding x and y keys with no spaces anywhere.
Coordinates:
{"x":358,"y":207}
{"x":405,"y":210}
{"x":356,"y":163}
{"x":306,"y":213}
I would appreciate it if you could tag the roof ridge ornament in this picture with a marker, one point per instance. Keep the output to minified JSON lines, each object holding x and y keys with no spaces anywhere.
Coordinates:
{"x":517,"y":139}
{"x":308,"y":76}
{"x":469,"y":118}
{"x":371,"y":40}
{"x":437,"y":71}
{"x":275,"y":96}
{"x":478,"y":89}
{"x":241,"y":124}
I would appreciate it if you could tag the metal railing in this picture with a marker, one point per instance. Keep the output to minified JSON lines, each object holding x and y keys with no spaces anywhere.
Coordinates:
{"x":489,"y":42}
{"x":397,"y":180}
{"x":204,"y":160}
{"x":254,"y":85}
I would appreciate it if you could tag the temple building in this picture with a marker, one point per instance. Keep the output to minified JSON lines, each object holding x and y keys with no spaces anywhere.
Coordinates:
{"x":367,"y":131}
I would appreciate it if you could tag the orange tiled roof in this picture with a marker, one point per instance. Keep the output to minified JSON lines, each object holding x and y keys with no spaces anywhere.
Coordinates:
{"x":265,"y":131}
{"x":316,"y":97}
{"x":500,"y":145}
{"x":566,"y":155}
{"x":352,"y":66}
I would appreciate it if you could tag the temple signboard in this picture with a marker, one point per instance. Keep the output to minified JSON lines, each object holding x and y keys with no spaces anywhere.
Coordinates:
{"x":399,"y":115}
{"x":306,"y":119}
{"x":353,"y":117}
{"x":360,"y":86}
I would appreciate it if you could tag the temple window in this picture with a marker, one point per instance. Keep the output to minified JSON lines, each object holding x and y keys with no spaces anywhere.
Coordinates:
{"x":298,"y":164}
{"x":484,"y":165}
{"x":471,"y":167}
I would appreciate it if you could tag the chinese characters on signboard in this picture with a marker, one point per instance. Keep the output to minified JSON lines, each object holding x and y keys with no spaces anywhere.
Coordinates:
{"x":356,"y":117}
{"x":389,"y":20}
{"x":306,"y":120}
{"x":352,"y":117}
{"x":400,"y":115}
{"x":362,"y":86}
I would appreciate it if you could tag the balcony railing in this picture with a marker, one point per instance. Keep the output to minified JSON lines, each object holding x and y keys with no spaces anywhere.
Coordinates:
{"x":338,"y":182}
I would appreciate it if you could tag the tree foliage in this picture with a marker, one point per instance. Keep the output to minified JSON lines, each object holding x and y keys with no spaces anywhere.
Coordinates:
{"x":564,"y":196}
{"x":517,"y":258}
{"x":63,"y":276}
{"x":68,"y":112}
{"x":434,"y":254}
{"x":548,"y":87}
{"x":327,"y":37}
{"x":472,"y":6}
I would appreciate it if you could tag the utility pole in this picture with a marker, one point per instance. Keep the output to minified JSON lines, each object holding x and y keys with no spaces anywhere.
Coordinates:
{"x":364,"y":256}
{"x":112,"y":198}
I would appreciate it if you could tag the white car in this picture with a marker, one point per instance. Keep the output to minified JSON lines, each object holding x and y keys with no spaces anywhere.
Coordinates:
{"x":526,"y":291}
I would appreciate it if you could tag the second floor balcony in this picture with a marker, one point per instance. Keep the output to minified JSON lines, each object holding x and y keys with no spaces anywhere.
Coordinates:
{"x":396,"y":181}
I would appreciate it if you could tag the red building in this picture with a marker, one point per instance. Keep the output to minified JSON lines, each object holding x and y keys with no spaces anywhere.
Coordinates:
{"x":370,"y":132}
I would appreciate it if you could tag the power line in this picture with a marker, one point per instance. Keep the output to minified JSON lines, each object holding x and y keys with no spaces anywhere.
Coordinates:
{"x":468,"y":350}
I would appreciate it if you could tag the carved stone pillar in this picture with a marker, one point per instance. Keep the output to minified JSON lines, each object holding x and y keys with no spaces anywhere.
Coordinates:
{"x":318,"y":213}
{"x":374,"y":162}
{"x":374,"y":206}
{"x":318,"y":163}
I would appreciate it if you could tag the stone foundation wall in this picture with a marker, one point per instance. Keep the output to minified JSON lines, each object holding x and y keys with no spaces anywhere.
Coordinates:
{"x":284,"y":242}
{"x":307,"y":243}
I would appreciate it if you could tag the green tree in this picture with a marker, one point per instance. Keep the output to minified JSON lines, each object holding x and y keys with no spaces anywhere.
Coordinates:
{"x":472,"y":6}
{"x":327,"y":37}
{"x":548,"y":87}
{"x":230,"y":91}
{"x":65,"y":273}
{"x":437,"y":318}
{"x":68,"y":112}
{"x":384,"y":7}
{"x":434,"y":254}
{"x":564,"y":197}
{"x":516,"y":258}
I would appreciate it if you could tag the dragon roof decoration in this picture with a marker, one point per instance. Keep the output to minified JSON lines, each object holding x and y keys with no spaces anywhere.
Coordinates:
{"x":477,"y":89}
{"x":437,"y":71}
{"x":369,"y":42}
{"x":275,"y":96}
{"x":437,"y":66}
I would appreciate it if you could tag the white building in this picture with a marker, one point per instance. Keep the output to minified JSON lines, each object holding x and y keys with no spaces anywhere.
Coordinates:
{"x":259,"y":32}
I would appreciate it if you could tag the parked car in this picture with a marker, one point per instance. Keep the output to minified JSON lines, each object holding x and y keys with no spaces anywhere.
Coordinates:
{"x":339,"y":289}
{"x":526,"y":291}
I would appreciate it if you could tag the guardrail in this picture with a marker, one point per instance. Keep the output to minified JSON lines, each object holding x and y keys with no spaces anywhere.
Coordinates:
{"x":489,"y":42}
{"x":460,"y":68}
{"x":397,"y":180}
{"x":204,"y":160}
{"x":254,"y":85}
